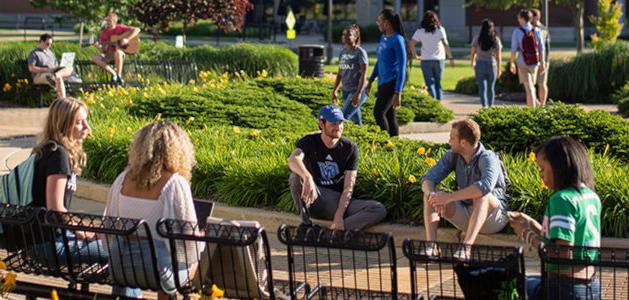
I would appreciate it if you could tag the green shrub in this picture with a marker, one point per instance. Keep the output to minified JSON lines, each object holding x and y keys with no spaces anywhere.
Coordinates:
{"x":244,"y":166}
{"x":623,"y":106}
{"x":516,"y":129}
{"x":467,"y":85}
{"x":590,"y":77}
{"x":250,"y":58}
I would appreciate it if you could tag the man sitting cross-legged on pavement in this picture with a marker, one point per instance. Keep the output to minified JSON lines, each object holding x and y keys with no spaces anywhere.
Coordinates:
{"x":324,"y":167}
{"x":476,"y":204}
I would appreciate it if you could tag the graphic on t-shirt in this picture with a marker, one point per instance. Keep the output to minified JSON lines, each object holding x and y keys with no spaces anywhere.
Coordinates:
{"x":71,"y":185}
{"x":329,"y":170}
{"x":343,"y":62}
{"x":329,"y":157}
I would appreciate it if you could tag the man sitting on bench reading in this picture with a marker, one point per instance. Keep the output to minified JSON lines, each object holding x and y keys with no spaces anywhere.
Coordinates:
{"x":44,"y":68}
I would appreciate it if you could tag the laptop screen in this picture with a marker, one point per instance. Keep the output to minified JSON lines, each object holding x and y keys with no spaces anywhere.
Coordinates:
{"x":204,"y":209}
{"x":67,"y":59}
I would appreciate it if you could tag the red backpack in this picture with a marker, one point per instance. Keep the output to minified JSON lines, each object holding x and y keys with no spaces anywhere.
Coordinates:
{"x":530,"y":47}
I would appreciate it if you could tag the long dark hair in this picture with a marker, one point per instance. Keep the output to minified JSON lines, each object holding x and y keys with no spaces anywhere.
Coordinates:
{"x":487,"y":38}
{"x":395,"y":20}
{"x":570,"y":162}
{"x":430,"y":21}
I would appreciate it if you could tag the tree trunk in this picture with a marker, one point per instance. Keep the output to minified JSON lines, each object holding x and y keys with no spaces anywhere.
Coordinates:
{"x":578,"y":12}
{"x":329,"y":52}
{"x":81,"y":33}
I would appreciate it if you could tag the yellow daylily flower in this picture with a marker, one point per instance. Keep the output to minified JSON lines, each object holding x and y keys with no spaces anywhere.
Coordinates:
{"x":428,"y":151}
{"x":115,"y":109}
{"x":190,"y":120}
{"x":158,"y":116}
{"x":412,"y":179}
{"x":9,"y":282}
{"x":542,"y":186}
{"x":389,"y":145}
{"x":421,"y":151}
{"x":430,"y":161}
{"x":235,"y":130}
{"x":532,"y":157}
{"x":374,"y":172}
{"x":3,"y":266}
{"x":7,"y":87}
{"x":111,"y":131}
{"x":254,"y":133}
{"x":54,"y":295}
{"x":192,"y":81}
{"x":90,"y":99}
{"x":216,"y":292}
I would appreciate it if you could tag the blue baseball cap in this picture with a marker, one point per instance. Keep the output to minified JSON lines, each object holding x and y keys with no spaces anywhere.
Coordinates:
{"x":331,"y":113}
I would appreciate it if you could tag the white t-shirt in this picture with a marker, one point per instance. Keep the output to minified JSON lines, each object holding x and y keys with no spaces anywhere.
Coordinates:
{"x":432,"y":47}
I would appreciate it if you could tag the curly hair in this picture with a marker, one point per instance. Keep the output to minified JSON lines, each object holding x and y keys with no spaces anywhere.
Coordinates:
{"x":158,"y":147}
{"x":61,"y":118}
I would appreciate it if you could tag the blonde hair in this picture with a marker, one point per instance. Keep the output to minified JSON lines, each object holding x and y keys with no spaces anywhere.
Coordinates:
{"x":62,"y":115}
{"x":157,"y":147}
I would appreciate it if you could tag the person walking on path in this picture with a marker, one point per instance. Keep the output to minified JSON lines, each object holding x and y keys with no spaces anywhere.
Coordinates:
{"x":434,"y":48}
{"x":542,"y":78}
{"x":475,"y":207}
{"x":571,"y":218}
{"x":352,"y":75}
{"x":324,"y":169}
{"x":486,"y":58}
{"x":526,"y":41}
{"x":390,"y":69}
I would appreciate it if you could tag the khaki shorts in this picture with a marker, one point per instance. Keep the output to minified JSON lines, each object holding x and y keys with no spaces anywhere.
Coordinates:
{"x":527,"y":74}
{"x":109,"y":56}
{"x":495,"y":222}
{"x":41,"y":78}
{"x":542,"y":78}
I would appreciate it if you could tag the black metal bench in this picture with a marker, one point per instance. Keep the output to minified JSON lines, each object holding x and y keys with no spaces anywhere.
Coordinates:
{"x":136,"y":73}
{"x":610,"y":266}
{"x":488,"y":273}
{"x":339,"y":264}
{"x":232,"y":255}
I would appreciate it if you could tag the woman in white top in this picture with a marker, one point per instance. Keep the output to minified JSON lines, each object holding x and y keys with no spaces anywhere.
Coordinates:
{"x":154,"y":185}
{"x":434,"y":42}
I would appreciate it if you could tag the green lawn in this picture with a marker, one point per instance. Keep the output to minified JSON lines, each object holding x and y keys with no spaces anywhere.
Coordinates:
{"x":451,"y":75}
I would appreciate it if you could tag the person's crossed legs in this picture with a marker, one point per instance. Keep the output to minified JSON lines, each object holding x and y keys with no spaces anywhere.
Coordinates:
{"x":359,"y":215}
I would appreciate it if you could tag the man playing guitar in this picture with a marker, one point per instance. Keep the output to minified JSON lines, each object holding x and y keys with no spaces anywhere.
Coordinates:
{"x":113,"y":40}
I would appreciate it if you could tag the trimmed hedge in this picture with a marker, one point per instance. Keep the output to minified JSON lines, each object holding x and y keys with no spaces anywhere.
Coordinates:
{"x":590,"y":77}
{"x":250,"y":58}
{"x":516,"y":129}
{"x":246,"y":166}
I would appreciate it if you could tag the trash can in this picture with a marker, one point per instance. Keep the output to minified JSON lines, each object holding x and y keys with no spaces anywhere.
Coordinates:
{"x":311,"y":61}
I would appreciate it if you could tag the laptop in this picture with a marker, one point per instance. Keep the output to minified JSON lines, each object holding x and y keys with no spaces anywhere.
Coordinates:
{"x":67,"y":59}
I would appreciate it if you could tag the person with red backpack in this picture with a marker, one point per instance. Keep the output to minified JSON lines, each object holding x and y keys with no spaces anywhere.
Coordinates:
{"x":526,"y":40}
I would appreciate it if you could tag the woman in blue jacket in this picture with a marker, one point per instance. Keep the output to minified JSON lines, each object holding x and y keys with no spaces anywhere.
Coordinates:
{"x":390,"y":69}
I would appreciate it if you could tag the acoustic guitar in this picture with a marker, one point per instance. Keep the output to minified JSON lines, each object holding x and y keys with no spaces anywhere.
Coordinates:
{"x":132,"y":47}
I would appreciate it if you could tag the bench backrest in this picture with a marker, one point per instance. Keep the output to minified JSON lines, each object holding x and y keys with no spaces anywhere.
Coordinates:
{"x":233,"y":255}
{"x":338,"y":264}
{"x":117,"y":257}
{"x":608,"y":265}
{"x":22,"y":237}
{"x":489,"y":272}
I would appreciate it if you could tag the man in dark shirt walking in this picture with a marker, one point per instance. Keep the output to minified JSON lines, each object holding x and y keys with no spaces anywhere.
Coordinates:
{"x":324,"y":168}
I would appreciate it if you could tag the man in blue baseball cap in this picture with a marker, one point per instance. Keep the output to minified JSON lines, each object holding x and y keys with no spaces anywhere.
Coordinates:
{"x":324,"y":168}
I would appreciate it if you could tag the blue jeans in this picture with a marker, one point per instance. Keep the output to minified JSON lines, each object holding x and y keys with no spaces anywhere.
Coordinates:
{"x":81,"y":251}
{"x":433,"y":70}
{"x":351,"y":112}
{"x":486,"y":73}
{"x":560,"y":288}
{"x":131,"y":265}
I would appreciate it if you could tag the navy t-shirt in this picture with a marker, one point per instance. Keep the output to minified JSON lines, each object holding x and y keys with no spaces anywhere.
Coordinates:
{"x":327,"y":166}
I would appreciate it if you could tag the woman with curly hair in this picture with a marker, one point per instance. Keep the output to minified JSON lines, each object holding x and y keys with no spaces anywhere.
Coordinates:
{"x":155,"y":184}
{"x":435,"y":46}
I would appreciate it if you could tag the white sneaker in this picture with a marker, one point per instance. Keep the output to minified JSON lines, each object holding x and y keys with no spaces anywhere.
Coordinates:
{"x":430,"y":250}
{"x":463,"y":253}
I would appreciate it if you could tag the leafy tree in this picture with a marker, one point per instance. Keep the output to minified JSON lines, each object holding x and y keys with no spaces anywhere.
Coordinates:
{"x":157,"y":14}
{"x":89,"y":12}
{"x":607,"y":23}
{"x":577,"y":7}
